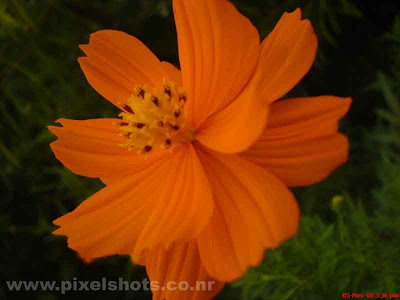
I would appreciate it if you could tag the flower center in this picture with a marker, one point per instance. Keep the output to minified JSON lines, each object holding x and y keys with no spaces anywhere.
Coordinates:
{"x":155,"y":119}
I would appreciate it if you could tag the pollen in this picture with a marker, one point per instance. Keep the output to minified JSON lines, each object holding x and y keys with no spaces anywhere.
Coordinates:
{"x":155,"y":119}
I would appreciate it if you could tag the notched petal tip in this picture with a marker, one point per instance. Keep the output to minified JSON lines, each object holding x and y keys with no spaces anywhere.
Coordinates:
{"x":287,"y":54}
{"x":300,"y":143}
{"x":348,"y":102}
{"x":254,"y":211}
{"x":115,"y":62}
{"x":82,"y":256}
{"x":297,"y":12}
{"x":52,"y":129}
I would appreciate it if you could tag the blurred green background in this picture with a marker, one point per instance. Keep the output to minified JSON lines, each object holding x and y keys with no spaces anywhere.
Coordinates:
{"x":349,"y":239}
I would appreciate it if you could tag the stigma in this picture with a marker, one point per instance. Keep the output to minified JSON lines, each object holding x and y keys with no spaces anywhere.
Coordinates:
{"x":155,"y":119}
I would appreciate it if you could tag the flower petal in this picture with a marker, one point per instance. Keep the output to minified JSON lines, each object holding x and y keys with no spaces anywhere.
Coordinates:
{"x":172,"y":73}
{"x":286,"y":56}
{"x":300,"y":144}
{"x":238,"y":126}
{"x":185,"y":206}
{"x":218,"y":51}
{"x":168,"y":201}
{"x":253,"y":211}
{"x":116,"y":62}
{"x":180,"y":266}
{"x":111,"y":221}
{"x":92,"y":148}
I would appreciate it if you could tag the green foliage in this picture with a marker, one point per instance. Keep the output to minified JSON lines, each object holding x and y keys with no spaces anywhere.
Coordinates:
{"x":351,"y":254}
{"x":349,"y":234}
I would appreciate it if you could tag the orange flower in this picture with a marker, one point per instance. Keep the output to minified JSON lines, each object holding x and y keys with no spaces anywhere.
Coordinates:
{"x":197,"y":167}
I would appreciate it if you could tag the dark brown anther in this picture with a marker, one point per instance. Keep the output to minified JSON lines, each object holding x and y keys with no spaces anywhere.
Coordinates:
{"x":161,"y":123}
{"x":139,"y":125}
{"x":141,"y":92}
{"x":128,"y":109}
{"x":167,"y":90}
{"x":167,"y":143}
{"x":155,"y":101}
{"x":177,"y":114}
{"x":123,"y":124}
{"x":175,"y":127}
{"x":182,"y":97}
{"x":147,"y":149}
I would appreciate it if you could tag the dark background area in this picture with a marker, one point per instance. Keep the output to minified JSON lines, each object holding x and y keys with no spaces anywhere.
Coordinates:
{"x":349,"y":235}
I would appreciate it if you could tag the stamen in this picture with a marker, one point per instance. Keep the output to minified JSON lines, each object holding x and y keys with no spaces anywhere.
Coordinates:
{"x":167,"y":89}
{"x":140,"y":125}
{"x":140,"y":92}
{"x":182,"y":96}
{"x":174,"y":127}
{"x":128,"y":109}
{"x":155,"y":101}
{"x":155,"y":119}
{"x":147,"y":148}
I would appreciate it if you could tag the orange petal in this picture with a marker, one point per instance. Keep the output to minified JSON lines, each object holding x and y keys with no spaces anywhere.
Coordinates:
{"x":111,"y":179}
{"x":176,"y":267}
{"x":172,"y":73}
{"x":218,"y":51}
{"x":253,"y":211}
{"x":300,"y":144}
{"x":116,"y":62}
{"x":111,"y":221}
{"x":185,"y":203}
{"x":286,"y":56}
{"x":125,"y":218}
{"x":236,"y":127}
{"x":92,"y":148}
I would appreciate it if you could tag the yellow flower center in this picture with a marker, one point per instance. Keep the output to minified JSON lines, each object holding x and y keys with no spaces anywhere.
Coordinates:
{"x":155,"y":119}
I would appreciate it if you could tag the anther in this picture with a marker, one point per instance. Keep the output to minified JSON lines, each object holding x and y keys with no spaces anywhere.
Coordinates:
{"x":182,"y":97}
{"x":140,"y":92}
{"x":128,"y":109}
{"x":174,"y":127}
{"x":167,"y":90}
{"x":154,"y":118}
{"x":147,"y":149}
{"x":139,"y":125}
{"x":155,"y":101}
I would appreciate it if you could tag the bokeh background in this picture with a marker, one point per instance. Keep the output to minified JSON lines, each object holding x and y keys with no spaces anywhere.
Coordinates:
{"x":349,"y":238}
